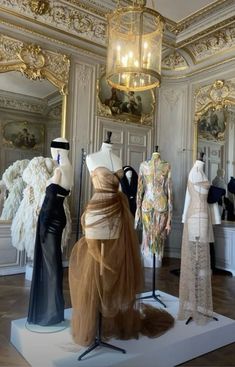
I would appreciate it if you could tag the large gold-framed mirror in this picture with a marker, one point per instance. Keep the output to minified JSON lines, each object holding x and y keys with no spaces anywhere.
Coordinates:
{"x":33,"y":101}
{"x":214,"y":135}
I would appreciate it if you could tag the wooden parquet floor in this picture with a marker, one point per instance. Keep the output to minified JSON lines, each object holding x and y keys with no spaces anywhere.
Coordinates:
{"x":14,"y":294}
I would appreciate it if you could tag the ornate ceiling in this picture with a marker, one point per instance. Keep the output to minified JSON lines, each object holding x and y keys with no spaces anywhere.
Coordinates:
{"x":204,"y":35}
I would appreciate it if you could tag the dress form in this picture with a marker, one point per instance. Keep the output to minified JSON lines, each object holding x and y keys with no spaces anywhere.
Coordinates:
{"x":46,"y":304}
{"x":63,"y":174}
{"x":104,"y":158}
{"x":154,"y":206}
{"x":195,"y":294}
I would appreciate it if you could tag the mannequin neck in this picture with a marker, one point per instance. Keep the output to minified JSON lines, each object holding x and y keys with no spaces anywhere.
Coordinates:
{"x":155,"y":156}
{"x":106,"y":147}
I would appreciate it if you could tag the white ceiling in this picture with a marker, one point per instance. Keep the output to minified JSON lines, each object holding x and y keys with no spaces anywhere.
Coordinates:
{"x":178,"y":9}
{"x":15,"y":82}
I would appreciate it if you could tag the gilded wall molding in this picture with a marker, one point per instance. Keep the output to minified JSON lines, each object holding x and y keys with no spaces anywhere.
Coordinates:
{"x":34,"y":62}
{"x":219,"y":95}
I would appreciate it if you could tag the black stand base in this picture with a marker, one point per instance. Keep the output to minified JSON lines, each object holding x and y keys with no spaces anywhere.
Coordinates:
{"x":191,"y":319}
{"x":153,"y":295}
{"x":99,"y":343}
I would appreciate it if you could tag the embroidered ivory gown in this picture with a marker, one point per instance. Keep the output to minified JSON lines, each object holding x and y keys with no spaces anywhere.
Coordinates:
{"x":108,"y":282}
{"x":195,"y":293}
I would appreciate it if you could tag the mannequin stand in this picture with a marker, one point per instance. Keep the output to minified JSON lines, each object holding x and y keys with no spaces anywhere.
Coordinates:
{"x":191,"y":319}
{"x":79,"y":230}
{"x":154,"y":295}
{"x":99,"y":343}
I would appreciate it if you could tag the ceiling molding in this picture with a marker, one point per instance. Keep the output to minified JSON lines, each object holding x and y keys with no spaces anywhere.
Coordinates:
{"x":178,"y":27}
{"x":81,"y":24}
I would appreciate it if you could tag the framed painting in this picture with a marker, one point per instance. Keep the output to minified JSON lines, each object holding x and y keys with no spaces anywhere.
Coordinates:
{"x":137,"y":107}
{"x":212,"y":125}
{"x":23,"y":135}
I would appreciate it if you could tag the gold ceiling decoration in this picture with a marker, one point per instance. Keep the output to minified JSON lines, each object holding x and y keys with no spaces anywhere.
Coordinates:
{"x":34,"y":63}
{"x":134,"y":47}
{"x":39,"y":7}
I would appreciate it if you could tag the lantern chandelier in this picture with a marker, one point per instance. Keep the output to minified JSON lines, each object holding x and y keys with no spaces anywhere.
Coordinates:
{"x":134,"y":47}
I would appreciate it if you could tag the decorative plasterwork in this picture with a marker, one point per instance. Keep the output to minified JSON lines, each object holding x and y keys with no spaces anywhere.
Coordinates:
{"x":39,"y":7}
{"x":85,"y":19}
{"x":67,"y":17}
{"x":55,"y":112}
{"x":34,"y":62}
{"x":172,"y":96}
{"x":11,"y":101}
{"x":174,"y":61}
{"x":222,"y":40}
{"x":83,"y":75}
{"x":217,"y":96}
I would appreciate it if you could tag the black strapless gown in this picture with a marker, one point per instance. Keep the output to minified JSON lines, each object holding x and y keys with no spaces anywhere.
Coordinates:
{"x":46,"y":303}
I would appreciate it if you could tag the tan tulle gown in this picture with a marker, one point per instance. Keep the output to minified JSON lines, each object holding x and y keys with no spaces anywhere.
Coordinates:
{"x":108,"y":283}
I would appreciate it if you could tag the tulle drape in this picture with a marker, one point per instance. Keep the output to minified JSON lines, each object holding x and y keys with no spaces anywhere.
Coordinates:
{"x":109,"y":283}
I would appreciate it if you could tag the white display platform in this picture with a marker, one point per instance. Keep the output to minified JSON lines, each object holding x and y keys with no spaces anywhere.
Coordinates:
{"x":180,"y":344}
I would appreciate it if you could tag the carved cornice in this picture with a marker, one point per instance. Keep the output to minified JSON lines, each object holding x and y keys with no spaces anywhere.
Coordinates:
{"x":85,"y":20}
{"x":34,"y":62}
{"x":178,"y":27}
{"x":12,"y":102}
{"x":68,"y":17}
{"x":174,"y":61}
{"x":220,"y":41}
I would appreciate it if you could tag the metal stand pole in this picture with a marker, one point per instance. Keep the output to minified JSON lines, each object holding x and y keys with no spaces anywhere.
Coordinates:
{"x":154,"y":295}
{"x":78,"y":229}
{"x":99,"y":343}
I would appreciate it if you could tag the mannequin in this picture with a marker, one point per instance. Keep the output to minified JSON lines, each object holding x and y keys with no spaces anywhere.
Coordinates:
{"x":154,"y":206}
{"x":195,"y":295}
{"x":106,"y":159}
{"x":105,"y":268}
{"x":46,"y":304}
{"x":219,"y":180}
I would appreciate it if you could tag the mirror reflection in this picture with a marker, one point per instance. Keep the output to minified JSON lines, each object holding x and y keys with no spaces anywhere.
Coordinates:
{"x":30,"y":117}
{"x":216,"y":139}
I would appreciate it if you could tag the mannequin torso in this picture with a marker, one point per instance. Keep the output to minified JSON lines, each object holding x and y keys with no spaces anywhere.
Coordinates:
{"x":103,"y":167}
{"x":104,"y":158}
{"x":63,"y":174}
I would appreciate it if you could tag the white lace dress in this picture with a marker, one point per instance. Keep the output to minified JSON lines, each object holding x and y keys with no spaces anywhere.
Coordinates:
{"x":195,"y":293}
{"x":24,"y":224}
